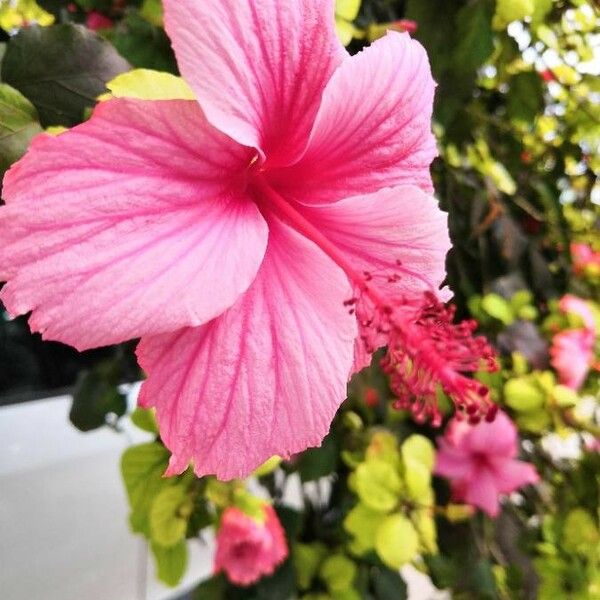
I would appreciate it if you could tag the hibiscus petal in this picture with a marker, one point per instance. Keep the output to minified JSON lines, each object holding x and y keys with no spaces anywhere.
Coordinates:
{"x":452,"y":463}
{"x":132,"y":223}
{"x":481,"y":491}
{"x":373,"y":128}
{"x":394,"y":232}
{"x":511,"y":474}
{"x":498,"y":438}
{"x":264,"y":378}
{"x":258,"y":67}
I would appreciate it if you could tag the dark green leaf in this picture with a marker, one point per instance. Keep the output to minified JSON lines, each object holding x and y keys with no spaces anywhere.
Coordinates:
{"x":144,"y":45}
{"x":96,"y":396}
{"x":211,"y":589}
{"x":483,"y":581}
{"x":388,"y":585}
{"x":62,"y":69}
{"x":525,"y":99}
{"x":318,"y":462}
{"x":291,"y":520}
{"x":474,"y":36}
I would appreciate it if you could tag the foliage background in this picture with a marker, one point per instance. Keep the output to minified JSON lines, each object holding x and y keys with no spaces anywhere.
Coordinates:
{"x":517,"y":118}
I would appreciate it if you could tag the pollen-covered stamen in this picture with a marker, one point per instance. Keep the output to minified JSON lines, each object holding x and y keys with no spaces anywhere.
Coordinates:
{"x":426,"y":350}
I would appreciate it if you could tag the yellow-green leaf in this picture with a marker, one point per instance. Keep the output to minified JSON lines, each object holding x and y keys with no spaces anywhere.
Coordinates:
{"x":362,"y":523}
{"x":347,"y":9}
{"x":338,"y":573}
{"x":523,"y":394}
{"x":307,"y":558}
{"x":18,"y":125}
{"x":397,"y":541}
{"x":168,"y":520}
{"x":418,"y":448}
{"x":146,"y":84}
{"x":378,"y":485}
{"x":142,"y":468}
{"x":171,"y":563}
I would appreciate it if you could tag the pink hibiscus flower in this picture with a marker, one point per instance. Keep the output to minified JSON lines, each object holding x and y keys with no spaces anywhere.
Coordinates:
{"x":248,"y":550}
{"x":480,"y":462}
{"x":262,"y":240}
{"x":585,"y":259}
{"x":572,"y":350}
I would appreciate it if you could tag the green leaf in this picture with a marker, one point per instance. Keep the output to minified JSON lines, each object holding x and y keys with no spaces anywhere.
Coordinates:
{"x":152,"y":11}
{"x":147,"y":84}
{"x":497,"y":307}
{"x":536,"y":421}
{"x":580,"y":533}
{"x":508,"y":11}
{"x":169,"y":515}
{"x":171,"y":563}
{"x":525,"y":97}
{"x":18,"y":13}
{"x":362,"y":523}
{"x":249,"y":504}
{"x":418,"y":448}
{"x":388,"y":585}
{"x":144,"y":45}
{"x":564,"y":397}
{"x":268,"y":467}
{"x":338,"y":572}
{"x":397,"y":541}
{"x":483,"y":580}
{"x":307,"y":558}
{"x":18,"y":125}
{"x":214,"y":588}
{"x":425,"y":524}
{"x":97,"y":396}
{"x":523,"y":394}
{"x":418,"y":456}
{"x":347,"y":9}
{"x":347,"y":594}
{"x":475,"y":42}
{"x":142,"y":469}
{"x":61,"y":69}
{"x":315,"y":463}
{"x":144,"y":419}
{"x":280,"y":585}
{"x":378,"y":485}
{"x":384,"y":446}
{"x":521,"y":298}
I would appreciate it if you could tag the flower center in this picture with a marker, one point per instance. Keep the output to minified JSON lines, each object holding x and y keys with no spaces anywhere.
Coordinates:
{"x":427,"y":352}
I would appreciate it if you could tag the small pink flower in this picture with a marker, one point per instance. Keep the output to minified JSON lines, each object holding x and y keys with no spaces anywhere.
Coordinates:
{"x":242,"y":234}
{"x":480,"y":462}
{"x":572,"y":350}
{"x":584,"y":258}
{"x":96,"y":20}
{"x":248,"y":550}
{"x":572,"y":355}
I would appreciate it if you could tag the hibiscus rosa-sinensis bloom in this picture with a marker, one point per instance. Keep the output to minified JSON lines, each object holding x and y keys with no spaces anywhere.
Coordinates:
{"x":480,"y":461}
{"x":248,"y":549}
{"x":262,"y":240}
{"x":572,"y":350}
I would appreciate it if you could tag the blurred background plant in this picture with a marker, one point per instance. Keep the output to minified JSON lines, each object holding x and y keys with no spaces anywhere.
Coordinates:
{"x":517,"y":118}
